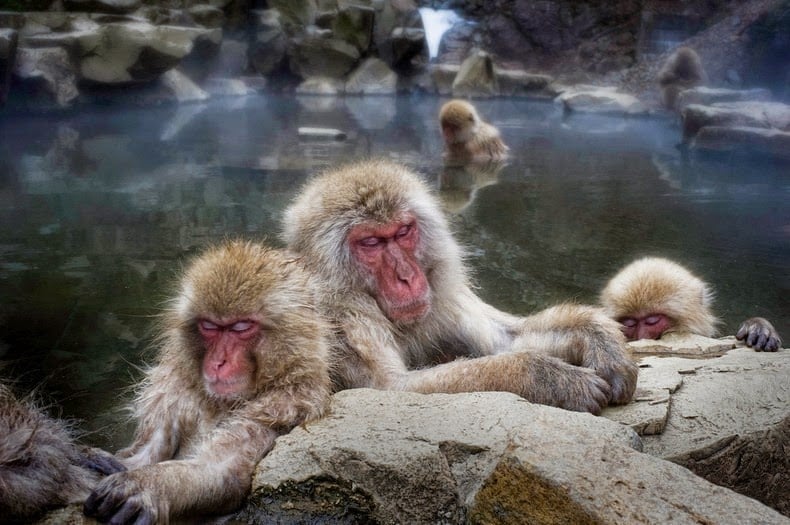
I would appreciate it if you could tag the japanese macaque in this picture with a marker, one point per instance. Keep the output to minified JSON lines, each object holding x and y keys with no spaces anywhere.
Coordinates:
{"x":652,"y":296}
{"x":459,"y":184}
{"x":242,"y":358}
{"x":682,"y":70}
{"x":41,"y":465}
{"x":466,"y":136}
{"x":397,"y":287}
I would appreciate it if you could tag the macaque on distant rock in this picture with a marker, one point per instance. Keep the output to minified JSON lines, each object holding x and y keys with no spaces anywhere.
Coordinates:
{"x":682,"y":70}
{"x":466,"y":136}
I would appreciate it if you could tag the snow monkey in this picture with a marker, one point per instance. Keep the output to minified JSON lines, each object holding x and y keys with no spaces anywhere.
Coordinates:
{"x":682,"y":70}
{"x":652,"y":296}
{"x":398,"y":289}
{"x":242,"y":358}
{"x":466,"y":136}
{"x":41,"y":466}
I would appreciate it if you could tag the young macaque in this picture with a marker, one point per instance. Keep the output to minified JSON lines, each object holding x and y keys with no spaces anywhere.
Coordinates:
{"x":466,"y":136}
{"x":653,"y":296}
{"x":396,"y":285}
{"x":41,"y":465}
{"x":682,"y":70}
{"x":242,"y":359}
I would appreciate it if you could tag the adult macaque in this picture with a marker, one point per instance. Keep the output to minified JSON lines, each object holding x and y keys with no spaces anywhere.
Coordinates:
{"x":396,"y":284}
{"x":466,"y":136}
{"x":682,"y":70}
{"x":652,"y":296}
{"x":242,"y":359}
{"x":41,"y":466}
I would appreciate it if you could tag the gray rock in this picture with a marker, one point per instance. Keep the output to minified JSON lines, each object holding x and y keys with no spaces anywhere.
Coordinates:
{"x":320,"y":86}
{"x":386,"y":457}
{"x":182,"y":87}
{"x":354,"y":24}
{"x":606,"y":100}
{"x":372,"y":77}
{"x":296,"y":14}
{"x":476,"y":77}
{"x":408,"y":44}
{"x":707,"y":95}
{"x":207,"y":15}
{"x":517,"y":82}
{"x":754,"y":114}
{"x":744,"y":139}
{"x":8,"y":46}
{"x":311,"y":56}
{"x":321,"y":133}
{"x":443,"y":76}
{"x":267,"y":51}
{"x":50,"y":69}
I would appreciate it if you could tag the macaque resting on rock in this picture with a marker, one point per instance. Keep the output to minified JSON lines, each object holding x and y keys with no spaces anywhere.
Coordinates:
{"x":243,"y":358}
{"x":395,"y":283}
{"x":466,"y":136}
{"x":41,"y":466}
{"x":682,"y":70}
{"x":652,"y":296}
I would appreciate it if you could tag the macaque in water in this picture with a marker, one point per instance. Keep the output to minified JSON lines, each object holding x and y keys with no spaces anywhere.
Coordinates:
{"x":653,"y":296}
{"x":242,"y":359}
{"x":396,"y":285}
{"x":466,"y":136}
{"x":682,"y":70}
{"x":459,"y":184}
{"x":41,"y":465}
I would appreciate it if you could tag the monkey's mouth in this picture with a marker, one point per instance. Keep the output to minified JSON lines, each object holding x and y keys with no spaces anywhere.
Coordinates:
{"x":225,"y":388}
{"x":409,"y":313}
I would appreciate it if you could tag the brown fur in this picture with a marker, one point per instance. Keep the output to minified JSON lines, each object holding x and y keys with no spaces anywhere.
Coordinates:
{"x":656,"y":285}
{"x":472,"y":137}
{"x":682,"y":70}
{"x":41,"y":466}
{"x":215,"y":443}
{"x":379,"y":353}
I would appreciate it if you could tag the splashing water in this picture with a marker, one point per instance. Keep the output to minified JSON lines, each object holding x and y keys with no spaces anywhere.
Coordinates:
{"x":436,"y":23}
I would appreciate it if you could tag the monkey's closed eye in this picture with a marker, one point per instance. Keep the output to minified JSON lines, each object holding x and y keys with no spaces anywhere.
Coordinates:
{"x":370,"y":242}
{"x":630,"y":322}
{"x":207,"y":325}
{"x":242,"y":326}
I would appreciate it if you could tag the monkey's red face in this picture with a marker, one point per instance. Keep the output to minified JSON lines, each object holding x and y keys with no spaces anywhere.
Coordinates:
{"x":387,"y":253}
{"x":651,"y":326}
{"x":229,"y":361}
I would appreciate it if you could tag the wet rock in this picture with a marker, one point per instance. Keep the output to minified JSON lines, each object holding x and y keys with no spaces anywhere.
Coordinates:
{"x":296,"y":14}
{"x":267,"y":50}
{"x":182,"y":87}
{"x":443,"y":76}
{"x":708,"y":96}
{"x":321,"y":133}
{"x":102,"y":6}
{"x":228,"y":87}
{"x":743,"y":139}
{"x":8,"y":46}
{"x":316,"y":55}
{"x":372,"y":77}
{"x":354,"y":24}
{"x":48,"y":70}
{"x":517,"y":82}
{"x":476,"y":77}
{"x":592,"y":99}
{"x":207,"y":15}
{"x":387,"y":457}
{"x":320,"y":86}
{"x":407,"y":44}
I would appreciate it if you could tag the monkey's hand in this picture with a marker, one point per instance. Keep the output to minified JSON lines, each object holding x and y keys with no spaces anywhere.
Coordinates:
{"x":99,"y":461}
{"x":759,"y":334}
{"x":550,"y":381}
{"x":124,"y":498}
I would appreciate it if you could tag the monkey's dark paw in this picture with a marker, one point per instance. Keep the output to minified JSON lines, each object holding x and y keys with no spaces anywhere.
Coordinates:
{"x":119,"y":500}
{"x":622,"y":377}
{"x":100,"y":461}
{"x":760,"y":334}
{"x":587,"y":393}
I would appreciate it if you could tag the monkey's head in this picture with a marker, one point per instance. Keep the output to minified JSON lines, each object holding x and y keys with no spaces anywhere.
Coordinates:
{"x":459,"y":121}
{"x":652,"y":296}
{"x":373,"y":227}
{"x":242,"y":310}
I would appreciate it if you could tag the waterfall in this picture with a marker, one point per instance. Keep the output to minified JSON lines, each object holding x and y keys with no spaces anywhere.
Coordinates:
{"x":436,"y":22}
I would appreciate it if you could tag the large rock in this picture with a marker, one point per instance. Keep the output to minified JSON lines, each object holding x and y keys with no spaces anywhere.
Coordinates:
{"x":386,"y":457}
{"x":321,"y":55}
{"x":476,"y":77}
{"x":8,"y":43}
{"x":354,"y":24}
{"x":372,"y":77}
{"x":137,"y":51}
{"x":724,"y":416}
{"x":267,"y":50}
{"x":708,"y":95}
{"x":48,"y":70}
{"x":594,"y":99}
{"x":519,"y":83}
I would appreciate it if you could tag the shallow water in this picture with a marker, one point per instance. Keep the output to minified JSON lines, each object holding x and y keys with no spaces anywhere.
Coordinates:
{"x":98,"y":210}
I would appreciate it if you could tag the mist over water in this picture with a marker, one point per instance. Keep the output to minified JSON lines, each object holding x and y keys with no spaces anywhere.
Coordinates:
{"x":98,"y":211}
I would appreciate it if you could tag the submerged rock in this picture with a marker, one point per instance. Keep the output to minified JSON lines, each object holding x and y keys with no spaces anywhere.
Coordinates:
{"x":593,"y":99}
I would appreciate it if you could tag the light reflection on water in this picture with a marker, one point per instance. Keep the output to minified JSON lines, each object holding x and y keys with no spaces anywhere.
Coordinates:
{"x":99,"y":209}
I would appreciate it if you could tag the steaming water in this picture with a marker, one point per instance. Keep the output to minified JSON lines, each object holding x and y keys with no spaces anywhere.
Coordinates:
{"x":99,"y":209}
{"x":436,"y":22}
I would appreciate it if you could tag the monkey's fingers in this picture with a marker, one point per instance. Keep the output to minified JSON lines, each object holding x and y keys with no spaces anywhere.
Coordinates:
{"x":118,"y":500}
{"x":100,"y":461}
{"x":586,"y":392}
{"x":759,"y":333}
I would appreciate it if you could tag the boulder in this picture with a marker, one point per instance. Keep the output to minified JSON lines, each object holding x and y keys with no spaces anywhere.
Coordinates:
{"x":594,"y":99}
{"x":354,"y":24}
{"x":743,"y":139}
{"x":8,"y":46}
{"x":317,"y":55}
{"x":267,"y":50}
{"x":753,"y":114}
{"x":443,"y":76}
{"x":320,"y":86}
{"x":723,"y":414}
{"x":476,"y":77}
{"x":707,"y":95}
{"x":181,"y":87}
{"x":372,"y":77}
{"x":387,"y":457}
{"x":408,"y":46}
{"x":296,"y":14}
{"x":136,"y":51}
{"x":48,"y":70}
{"x":519,"y":83}
{"x":207,"y":15}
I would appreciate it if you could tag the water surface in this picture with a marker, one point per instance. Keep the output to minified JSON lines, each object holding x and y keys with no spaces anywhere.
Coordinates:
{"x":99,"y":209}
